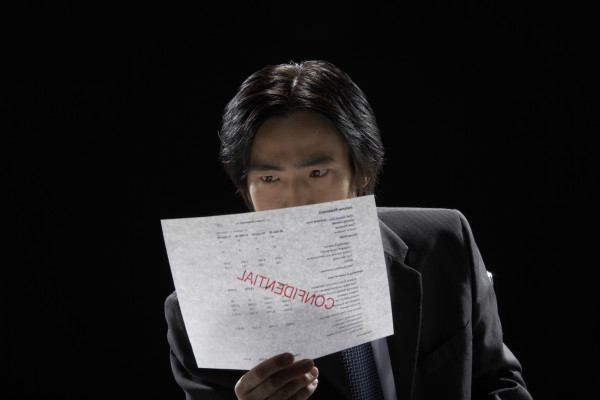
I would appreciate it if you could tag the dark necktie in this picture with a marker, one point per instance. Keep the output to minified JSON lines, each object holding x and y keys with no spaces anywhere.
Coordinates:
{"x":361,"y":370}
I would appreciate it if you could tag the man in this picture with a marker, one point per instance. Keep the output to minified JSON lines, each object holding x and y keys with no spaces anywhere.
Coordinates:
{"x":298,"y":134}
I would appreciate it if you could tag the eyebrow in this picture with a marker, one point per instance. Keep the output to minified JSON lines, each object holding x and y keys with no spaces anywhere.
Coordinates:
{"x":308,"y":162}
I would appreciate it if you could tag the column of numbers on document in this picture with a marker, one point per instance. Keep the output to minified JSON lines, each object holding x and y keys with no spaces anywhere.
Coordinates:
{"x":245,"y":251}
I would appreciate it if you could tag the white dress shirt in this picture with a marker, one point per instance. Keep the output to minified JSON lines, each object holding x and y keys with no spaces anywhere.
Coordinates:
{"x":384,"y":368}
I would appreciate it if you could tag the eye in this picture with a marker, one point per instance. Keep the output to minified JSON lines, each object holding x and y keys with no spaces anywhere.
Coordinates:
{"x":269,"y":178}
{"x":317,"y":173}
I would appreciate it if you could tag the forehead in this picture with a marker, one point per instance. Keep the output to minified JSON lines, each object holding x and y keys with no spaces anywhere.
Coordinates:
{"x":300,"y":134}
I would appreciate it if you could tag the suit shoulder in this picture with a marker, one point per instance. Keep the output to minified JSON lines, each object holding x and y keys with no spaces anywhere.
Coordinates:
{"x":414,"y":224}
{"x":415,"y":210}
{"x":421,"y":215}
{"x":172,"y":299}
{"x":172,"y":310}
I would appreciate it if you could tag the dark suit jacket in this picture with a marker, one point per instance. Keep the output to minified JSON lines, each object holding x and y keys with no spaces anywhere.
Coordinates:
{"x":447,"y":341}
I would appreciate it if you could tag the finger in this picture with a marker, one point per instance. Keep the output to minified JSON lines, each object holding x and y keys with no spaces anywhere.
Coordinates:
{"x":305,"y":392}
{"x":278,"y":380}
{"x":262,"y":371}
{"x":300,"y":388}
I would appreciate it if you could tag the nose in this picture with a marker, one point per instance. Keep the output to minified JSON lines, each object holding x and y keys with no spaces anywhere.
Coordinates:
{"x":297,"y":193}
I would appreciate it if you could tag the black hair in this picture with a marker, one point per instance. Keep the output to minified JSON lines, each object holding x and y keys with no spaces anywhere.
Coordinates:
{"x":317,"y":86}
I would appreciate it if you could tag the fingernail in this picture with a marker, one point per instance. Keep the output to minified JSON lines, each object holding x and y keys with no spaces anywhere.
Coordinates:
{"x":314,"y":372}
{"x":315,"y":382}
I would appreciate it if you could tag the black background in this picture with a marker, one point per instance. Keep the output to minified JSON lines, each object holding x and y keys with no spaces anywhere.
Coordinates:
{"x":112,"y":117}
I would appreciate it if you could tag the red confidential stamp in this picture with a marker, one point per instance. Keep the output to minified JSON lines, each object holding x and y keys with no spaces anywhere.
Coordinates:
{"x":286,"y":290}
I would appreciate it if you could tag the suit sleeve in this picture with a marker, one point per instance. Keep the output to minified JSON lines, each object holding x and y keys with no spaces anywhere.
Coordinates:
{"x":496,"y":372}
{"x":196,"y":383}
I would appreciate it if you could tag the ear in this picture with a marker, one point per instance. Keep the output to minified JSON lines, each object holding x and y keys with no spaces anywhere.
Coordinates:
{"x":361,"y":182}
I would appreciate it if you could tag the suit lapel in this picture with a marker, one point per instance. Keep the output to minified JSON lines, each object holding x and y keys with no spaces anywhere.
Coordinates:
{"x":406,"y":295}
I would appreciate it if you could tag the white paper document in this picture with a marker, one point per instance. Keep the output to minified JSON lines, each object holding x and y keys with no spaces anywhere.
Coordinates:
{"x":308,"y":280}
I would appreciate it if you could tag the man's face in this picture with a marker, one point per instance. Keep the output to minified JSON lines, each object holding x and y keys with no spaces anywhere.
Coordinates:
{"x":297,"y":160}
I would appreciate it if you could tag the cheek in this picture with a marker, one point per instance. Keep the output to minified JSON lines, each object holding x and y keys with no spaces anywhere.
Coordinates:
{"x":263,"y":198}
{"x":336,"y":189}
